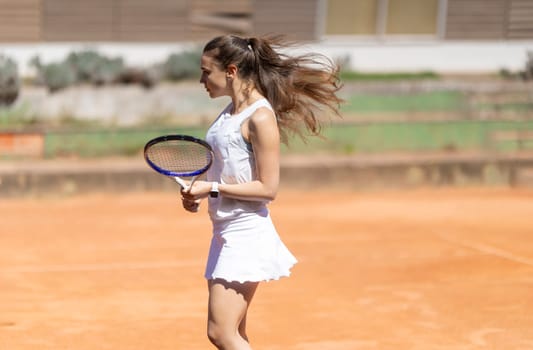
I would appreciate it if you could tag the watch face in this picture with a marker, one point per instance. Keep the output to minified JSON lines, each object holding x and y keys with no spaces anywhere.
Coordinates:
{"x":214,"y":190}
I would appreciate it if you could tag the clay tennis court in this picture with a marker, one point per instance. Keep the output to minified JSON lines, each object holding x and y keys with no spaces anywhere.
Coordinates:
{"x":419,"y":269}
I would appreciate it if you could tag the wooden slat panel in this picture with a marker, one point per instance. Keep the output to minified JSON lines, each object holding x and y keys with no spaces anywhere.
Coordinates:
{"x":77,"y":20}
{"x":521,"y":4}
{"x":525,"y":14}
{"x":20,"y":21}
{"x":521,"y":36}
{"x":209,"y":18}
{"x":474,"y":36}
{"x":476,"y":19}
{"x":297,"y":19}
{"x":156,"y":20}
{"x":520,"y":21}
{"x":215,"y":6}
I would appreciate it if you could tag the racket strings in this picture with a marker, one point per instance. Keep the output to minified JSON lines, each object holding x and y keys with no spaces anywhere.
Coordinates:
{"x":178,"y":156}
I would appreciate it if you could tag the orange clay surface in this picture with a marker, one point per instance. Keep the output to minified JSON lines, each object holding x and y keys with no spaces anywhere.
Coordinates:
{"x":420,"y":269}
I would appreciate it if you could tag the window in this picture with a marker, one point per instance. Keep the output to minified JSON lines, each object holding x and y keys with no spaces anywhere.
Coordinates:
{"x":347,"y":17}
{"x":412,"y":17}
{"x":382,"y":17}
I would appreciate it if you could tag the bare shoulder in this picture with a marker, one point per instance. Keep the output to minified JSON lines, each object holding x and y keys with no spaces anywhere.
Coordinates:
{"x":262,"y":123}
{"x":263,"y":116}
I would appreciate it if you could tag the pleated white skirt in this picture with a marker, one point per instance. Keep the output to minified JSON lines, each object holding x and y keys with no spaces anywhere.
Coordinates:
{"x":248,"y":249}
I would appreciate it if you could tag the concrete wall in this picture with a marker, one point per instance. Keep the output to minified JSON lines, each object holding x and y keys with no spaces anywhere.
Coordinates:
{"x":397,"y":55}
{"x":61,"y":178}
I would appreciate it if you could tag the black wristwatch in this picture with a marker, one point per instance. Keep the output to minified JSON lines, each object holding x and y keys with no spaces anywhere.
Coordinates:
{"x":214,"y":190}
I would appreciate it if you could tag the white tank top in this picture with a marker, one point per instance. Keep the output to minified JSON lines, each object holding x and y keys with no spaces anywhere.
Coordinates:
{"x":234,"y":162}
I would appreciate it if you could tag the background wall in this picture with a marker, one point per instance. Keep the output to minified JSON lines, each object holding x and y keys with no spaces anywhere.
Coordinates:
{"x":441,"y":57}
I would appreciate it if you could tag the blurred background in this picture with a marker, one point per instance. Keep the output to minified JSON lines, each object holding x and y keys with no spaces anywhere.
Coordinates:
{"x":437,"y":92}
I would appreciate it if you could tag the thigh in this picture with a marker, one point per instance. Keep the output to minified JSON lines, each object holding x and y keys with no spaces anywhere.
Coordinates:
{"x":229,"y":301}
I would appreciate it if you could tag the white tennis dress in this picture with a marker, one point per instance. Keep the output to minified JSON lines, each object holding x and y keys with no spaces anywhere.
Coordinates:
{"x":245,"y":244}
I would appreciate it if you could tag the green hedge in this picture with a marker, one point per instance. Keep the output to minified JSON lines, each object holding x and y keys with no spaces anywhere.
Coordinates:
{"x":110,"y":142}
{"x":415,"y":136}
{"x":354,"y":138}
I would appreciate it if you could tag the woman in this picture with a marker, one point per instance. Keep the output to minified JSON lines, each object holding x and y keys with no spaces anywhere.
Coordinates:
{"x":271,"y":95}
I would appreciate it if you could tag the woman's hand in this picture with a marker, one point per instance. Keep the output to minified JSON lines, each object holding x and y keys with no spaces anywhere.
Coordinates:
{"x":191,"y":197}
{"x":198,"y":191}
{"x":190,"y":205}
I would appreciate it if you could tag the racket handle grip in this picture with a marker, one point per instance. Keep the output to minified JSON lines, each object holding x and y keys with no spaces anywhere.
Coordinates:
{"x":181,"y":183}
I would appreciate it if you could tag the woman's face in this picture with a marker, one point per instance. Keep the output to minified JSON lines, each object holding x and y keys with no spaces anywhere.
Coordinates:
{"x":213,"y":78}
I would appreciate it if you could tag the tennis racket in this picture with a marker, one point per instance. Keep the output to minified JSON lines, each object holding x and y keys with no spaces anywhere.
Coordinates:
{"x":179,"y":156}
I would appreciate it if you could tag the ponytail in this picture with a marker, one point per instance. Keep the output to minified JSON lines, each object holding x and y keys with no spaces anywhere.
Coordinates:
{"x":299,"y":88}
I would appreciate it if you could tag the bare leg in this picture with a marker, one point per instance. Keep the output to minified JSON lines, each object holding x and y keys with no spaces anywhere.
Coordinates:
{"x":228,"y":305}
{"x":242,"y":327}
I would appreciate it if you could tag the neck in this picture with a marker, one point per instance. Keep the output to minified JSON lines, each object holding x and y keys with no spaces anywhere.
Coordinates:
{"x":244,"y":98}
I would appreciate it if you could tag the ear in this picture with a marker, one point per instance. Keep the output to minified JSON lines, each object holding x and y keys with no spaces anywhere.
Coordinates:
{"x":231,"y":71}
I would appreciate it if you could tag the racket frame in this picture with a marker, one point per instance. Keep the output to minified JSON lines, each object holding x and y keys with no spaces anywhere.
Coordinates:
{"x":178,"y":175}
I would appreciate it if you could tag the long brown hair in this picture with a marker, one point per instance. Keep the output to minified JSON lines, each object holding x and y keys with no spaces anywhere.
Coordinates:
{"x":299,"y":88}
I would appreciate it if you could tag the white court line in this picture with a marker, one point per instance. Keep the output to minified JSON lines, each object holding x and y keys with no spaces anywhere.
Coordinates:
{"x":487,"y":249}
{"x":103,"y":266}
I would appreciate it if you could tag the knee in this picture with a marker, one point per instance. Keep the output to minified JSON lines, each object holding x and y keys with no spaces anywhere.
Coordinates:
{"x":217,"y":336}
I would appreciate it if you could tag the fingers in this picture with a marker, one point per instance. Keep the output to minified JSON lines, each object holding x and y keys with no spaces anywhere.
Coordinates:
{"x":198,"y":190}
{"x":186,"y":192}
{"x":192,"y":208}
{"x":190,"y":205}
{"x":192,"y":195}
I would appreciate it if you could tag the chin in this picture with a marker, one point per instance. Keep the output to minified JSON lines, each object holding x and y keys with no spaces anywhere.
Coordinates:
{"x":214,"y":95}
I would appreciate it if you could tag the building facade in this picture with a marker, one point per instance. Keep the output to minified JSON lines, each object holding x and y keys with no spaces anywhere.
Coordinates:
{"x":130,"y":21}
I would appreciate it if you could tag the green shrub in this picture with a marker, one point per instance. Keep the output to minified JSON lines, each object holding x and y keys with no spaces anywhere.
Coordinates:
{"x":84,"y":63}
{"x":57,"y":76}
{"x":84,"y":66}
{"x":94,"y":68}
{"x":108,"y":71}
{"x":147,"y":78}
{"x":9,"y":81}
{"x":184,"y":65}
{"x":91,"y":67}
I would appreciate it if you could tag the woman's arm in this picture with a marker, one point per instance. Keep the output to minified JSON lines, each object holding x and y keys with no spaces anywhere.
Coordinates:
{"x":262,"y":132}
